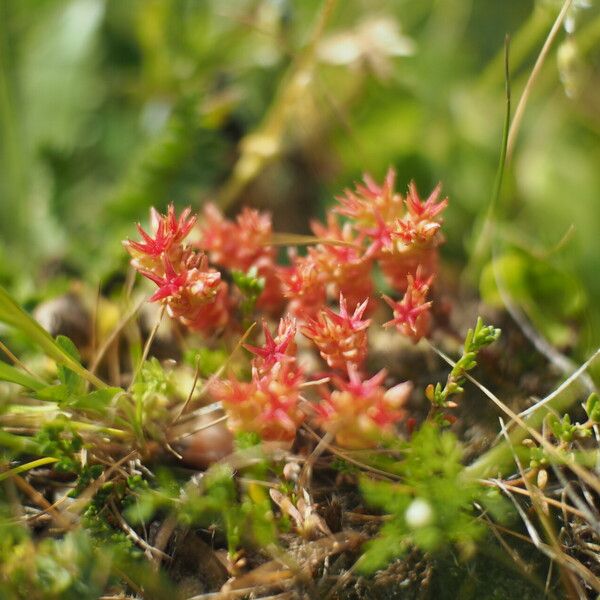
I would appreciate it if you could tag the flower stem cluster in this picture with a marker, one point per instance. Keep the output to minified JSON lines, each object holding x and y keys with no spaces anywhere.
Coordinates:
{"x":371,"y":226}
{"x":268,"y":404}
{"x":399,"y":234}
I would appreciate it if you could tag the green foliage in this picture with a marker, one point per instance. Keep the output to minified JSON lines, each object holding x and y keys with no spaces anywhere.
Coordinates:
{"x":151,"y":392}
{"x":169,"y":128}
{"x":17,"y":444}
{"x":538,"y":457}
{"x":102,"y":534}
{"x":538,"y":287}
{"x":12,"y":314}
{"x":213,"y":501}
{"x":432,"y":507}
{"x":60,"y":440}
{"x":72,"y":392}
{"x":247,"y":439}
{"x":476,"y":339}
{"x":251,"y":287}
{"x":14,"y":375}
{"x":592,"y":407}
{"x":148,"y":101}
{"x":72,"y":568}
{"x":87,"y":475}
{"x":71,"y":380}
{"x":84,"y":564}
{"x":344,"y":467}
{"x":91,"y":402}
{"x":565,"y":431}
{"x":207,"y":360}
{"x":152,"y":379}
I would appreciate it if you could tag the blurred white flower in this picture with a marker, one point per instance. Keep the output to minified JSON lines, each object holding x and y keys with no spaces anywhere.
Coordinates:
{"x":371,"y":44}
{"x":418,"y":514}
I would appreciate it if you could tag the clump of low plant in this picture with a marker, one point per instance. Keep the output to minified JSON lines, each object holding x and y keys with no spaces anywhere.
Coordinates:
{"x":268,"y":410}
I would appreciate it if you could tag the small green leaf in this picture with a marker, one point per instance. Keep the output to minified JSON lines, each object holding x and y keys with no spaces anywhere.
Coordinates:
{"x":96,"y":401}
{"x":74,"y":382}
{"x":54,"y":393}
{"x":14,"y":375}
{"x":592,"y":407}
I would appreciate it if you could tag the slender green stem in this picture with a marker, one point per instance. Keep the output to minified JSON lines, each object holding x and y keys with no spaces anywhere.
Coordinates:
{"x":486,"y":234}
{"x":40,"y":462}
{"x":92,"y":427}
{"x":262,"y":146}
{"x":523,"y":43}
{"x":514,"y":129}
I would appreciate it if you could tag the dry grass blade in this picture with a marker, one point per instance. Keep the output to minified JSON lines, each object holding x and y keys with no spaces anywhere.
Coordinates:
{"x":570,"y":583}
{"x":517,"y":490}
{"x":271,"y":574}
{"x":563,"y":386}
{"x":131,"y":533}
{"x":322,"y":445}
{"x":345,"y":456}
{"x":39,"y":499}
{"x":531,"y":530}
{"x":586,"y":510}
{"x":513,"y":553}
{"x":577,"y":469}
{"x":249,"y":591}
{"x":108,"y":342}
{"x":147,"y":346}
{"x":191,"y":393}
{"x":19,"y":363}
{"x":520,"y":110}
{"x":201,"y":428}
{"x":567,"y":561}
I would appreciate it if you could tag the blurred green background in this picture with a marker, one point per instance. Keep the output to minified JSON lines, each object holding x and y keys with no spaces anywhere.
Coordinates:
{"x":108,"y":107}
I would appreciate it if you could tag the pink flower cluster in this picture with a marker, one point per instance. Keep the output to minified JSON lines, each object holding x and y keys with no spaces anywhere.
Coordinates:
{"x":399,"y":234}
{"x":268,"y":404}
{"x":241,"y":245}
{"x":403,"y":232}
{"x":411,"y":314}
{"x":360,"y":411}
{"x":191,"y":290}
{"x":371,"y":226}
{"x":340,"y":338}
